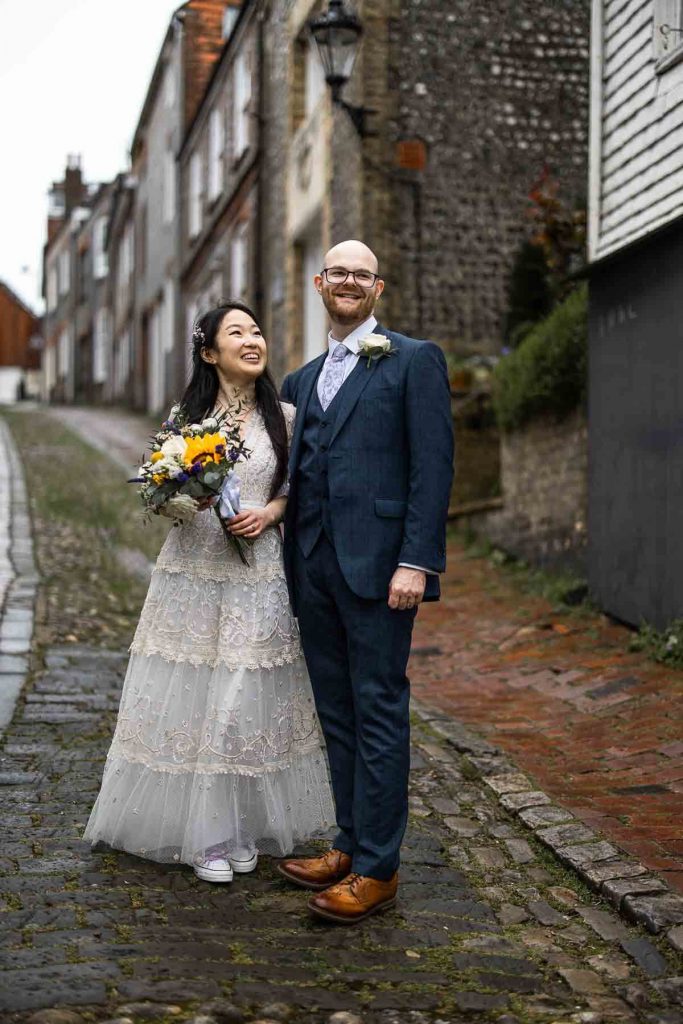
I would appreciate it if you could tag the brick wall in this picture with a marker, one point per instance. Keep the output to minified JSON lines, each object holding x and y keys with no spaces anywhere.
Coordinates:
{"x":544,"y":485}
{"x":203,"y":26}
{"x":17,"y":325}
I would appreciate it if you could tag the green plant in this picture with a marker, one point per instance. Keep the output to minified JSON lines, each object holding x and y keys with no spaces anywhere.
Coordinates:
{"x":665,"y":646}
{"x":529,"y":295}
{"x":547,"y":374}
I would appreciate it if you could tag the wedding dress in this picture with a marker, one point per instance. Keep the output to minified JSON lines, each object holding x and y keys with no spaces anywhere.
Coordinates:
{"x":217,"y":739}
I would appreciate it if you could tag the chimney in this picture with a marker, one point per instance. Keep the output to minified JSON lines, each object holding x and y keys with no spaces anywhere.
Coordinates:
{"x":74,"y":189}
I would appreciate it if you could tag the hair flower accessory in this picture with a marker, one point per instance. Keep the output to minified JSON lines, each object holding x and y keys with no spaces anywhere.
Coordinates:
{"x":374,"y":347}
{"x":198,"y":335}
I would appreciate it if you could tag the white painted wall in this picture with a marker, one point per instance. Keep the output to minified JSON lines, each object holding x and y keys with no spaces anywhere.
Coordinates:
{"x":10,"y":378}
{"x":636,"y":174}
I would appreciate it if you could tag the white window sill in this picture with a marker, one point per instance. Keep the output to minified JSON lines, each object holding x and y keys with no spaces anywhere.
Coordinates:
{"x":670,"y":60}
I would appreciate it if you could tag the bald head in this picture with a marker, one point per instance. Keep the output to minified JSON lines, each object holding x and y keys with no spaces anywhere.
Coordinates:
{"x":353,"y":255}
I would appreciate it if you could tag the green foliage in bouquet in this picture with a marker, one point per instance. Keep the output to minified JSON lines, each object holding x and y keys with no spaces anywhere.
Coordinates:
{"x":547,"y":374}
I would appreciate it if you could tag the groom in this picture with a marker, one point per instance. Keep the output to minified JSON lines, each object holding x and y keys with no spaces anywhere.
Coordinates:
{"x":370,"y":476}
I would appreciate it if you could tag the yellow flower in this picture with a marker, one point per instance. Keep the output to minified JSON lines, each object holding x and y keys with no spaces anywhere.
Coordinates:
{"x":203,"y":449}
{"x":159,"y":478}
{"x":156,"y":456}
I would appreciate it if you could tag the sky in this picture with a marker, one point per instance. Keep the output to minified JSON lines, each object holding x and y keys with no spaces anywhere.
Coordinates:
{"x":73,"y":77}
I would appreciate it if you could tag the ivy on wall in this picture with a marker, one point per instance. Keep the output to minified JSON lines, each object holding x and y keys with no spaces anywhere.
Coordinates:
{"x":547,"y":373}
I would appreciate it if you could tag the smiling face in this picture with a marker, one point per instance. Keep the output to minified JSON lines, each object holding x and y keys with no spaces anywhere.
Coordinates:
{"x":350,"y":302}
{"x":239,"y":354}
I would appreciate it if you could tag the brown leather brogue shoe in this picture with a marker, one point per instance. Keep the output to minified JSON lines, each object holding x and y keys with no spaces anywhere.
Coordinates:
{"x":317,"y":872}
{"x":354,"y":898}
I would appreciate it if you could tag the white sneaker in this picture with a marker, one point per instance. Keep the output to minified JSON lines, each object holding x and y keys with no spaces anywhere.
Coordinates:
{"x":244,"y":860}
{"x":213,"y":866}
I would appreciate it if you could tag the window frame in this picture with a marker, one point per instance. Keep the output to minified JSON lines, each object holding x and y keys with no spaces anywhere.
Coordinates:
{"x":195,"y":212}
{"x":667,"y":56}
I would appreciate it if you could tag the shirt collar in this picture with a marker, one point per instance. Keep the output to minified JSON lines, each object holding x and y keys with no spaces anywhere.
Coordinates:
{"x":352,"y":340}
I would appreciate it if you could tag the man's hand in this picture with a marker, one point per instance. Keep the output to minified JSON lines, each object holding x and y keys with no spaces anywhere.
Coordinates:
{"x":407,"y":588}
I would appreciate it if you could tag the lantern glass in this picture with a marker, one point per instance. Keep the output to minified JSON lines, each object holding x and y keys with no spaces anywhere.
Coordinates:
{"x":337,"y":34}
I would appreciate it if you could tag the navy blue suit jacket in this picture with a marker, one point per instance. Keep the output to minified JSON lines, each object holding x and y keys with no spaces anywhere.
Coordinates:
{"x":390,"y":465}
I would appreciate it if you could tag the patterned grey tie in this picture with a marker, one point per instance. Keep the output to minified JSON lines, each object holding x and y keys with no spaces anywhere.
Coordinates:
{"x":334,"y":375}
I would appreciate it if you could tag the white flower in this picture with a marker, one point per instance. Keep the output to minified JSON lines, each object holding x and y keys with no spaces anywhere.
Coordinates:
{"x":373,"y":345}
{"x":182,"y":506}
{"x":175,"y":447}
{"x":210,"y":425}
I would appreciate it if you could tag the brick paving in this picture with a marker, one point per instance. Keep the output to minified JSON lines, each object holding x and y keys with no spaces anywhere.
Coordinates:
{"x":598,"y":728}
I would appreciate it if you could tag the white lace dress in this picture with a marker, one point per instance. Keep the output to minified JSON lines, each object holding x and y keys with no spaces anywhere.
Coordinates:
{"x":217,"y":740}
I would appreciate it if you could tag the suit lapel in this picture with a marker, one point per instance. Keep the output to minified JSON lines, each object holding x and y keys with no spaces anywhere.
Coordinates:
{"x":310,"y":376}
{"x":351,"y":390}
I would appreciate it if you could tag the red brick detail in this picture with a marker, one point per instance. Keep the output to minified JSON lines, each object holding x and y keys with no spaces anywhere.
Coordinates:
{"x":508,"y":671}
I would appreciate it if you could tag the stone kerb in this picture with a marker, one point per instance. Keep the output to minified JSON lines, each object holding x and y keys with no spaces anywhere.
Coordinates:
{"x":18,"y":578}
{"x":640,"y":897}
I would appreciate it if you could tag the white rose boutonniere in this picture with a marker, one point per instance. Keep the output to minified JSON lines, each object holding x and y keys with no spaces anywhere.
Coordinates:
{"x":374,"y":347}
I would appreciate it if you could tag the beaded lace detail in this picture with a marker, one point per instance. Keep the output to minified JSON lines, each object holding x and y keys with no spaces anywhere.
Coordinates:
{"x":217,"y":738}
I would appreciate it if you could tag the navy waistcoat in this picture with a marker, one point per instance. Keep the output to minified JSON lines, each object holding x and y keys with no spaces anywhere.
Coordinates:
{"x":313,"y":508}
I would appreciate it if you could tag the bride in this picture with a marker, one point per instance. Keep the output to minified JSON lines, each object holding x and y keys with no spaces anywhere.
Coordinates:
{"x":217,"y":751}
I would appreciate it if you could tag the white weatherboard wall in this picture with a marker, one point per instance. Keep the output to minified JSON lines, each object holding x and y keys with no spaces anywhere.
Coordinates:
{"x":636,"y":175}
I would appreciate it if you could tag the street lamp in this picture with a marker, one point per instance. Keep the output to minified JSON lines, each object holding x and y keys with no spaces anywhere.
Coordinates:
{"x":337,"y":34}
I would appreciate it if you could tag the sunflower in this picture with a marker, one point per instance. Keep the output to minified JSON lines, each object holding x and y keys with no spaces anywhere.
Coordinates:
{"x":206,"y":448}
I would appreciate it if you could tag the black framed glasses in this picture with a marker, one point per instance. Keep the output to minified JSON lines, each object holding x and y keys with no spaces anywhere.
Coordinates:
{"x":337,"y":275}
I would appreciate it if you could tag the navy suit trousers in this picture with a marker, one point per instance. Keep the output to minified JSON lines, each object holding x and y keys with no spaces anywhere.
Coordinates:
{"x":357,"y":651}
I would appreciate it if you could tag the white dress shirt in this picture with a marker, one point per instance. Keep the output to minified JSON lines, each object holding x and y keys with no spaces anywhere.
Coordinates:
{"x":351,"y":341}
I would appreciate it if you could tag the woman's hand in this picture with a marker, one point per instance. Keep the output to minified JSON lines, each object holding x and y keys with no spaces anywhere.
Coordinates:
{"x":251,"y":523}
{"x":206,"y":503}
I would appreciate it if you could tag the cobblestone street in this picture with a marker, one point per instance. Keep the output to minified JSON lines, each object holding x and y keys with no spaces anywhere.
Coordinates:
{"x":491,"y":925}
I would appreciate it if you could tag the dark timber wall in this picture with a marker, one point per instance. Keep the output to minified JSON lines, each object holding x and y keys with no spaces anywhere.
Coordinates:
{"x":635,"y":517}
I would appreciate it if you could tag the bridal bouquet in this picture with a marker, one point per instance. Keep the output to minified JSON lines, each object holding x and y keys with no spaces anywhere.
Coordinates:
{"x":191,"y":462}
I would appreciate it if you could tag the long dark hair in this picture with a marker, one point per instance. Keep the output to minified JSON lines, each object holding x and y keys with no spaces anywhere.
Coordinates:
{"x":202,"y":391}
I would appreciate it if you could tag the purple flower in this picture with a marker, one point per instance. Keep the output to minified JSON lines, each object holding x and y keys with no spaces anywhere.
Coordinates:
{"x":234,"y":454}
{"x":182,"y":477}
{"x":196,"y":468}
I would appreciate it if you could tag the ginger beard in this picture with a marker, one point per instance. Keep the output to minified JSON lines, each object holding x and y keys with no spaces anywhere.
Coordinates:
{"x":348,"y":303}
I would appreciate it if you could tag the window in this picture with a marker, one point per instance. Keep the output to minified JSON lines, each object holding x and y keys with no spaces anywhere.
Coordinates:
{"x":169,"y":187}
{"x":229,"y":19}
{"x":64,"y":272}
{"x":170,"y":86}
{"x":122,"y":368}
{"x":142,"y":240}
{"x":64,"y":354}
{"x":50,"y":372}
{"x":314,"y":85}
{"x":239,"y":263}
{"x":241,"y":103}
{"x":126,"y":255}
{"x":668,"y":33}
{"x":195,"y":206}
{"x":100,"y":264}
{"x":100,"y":343}
{"x":51,"y":289}
{"x":216,"y":145}
{"x":168,"y":318}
